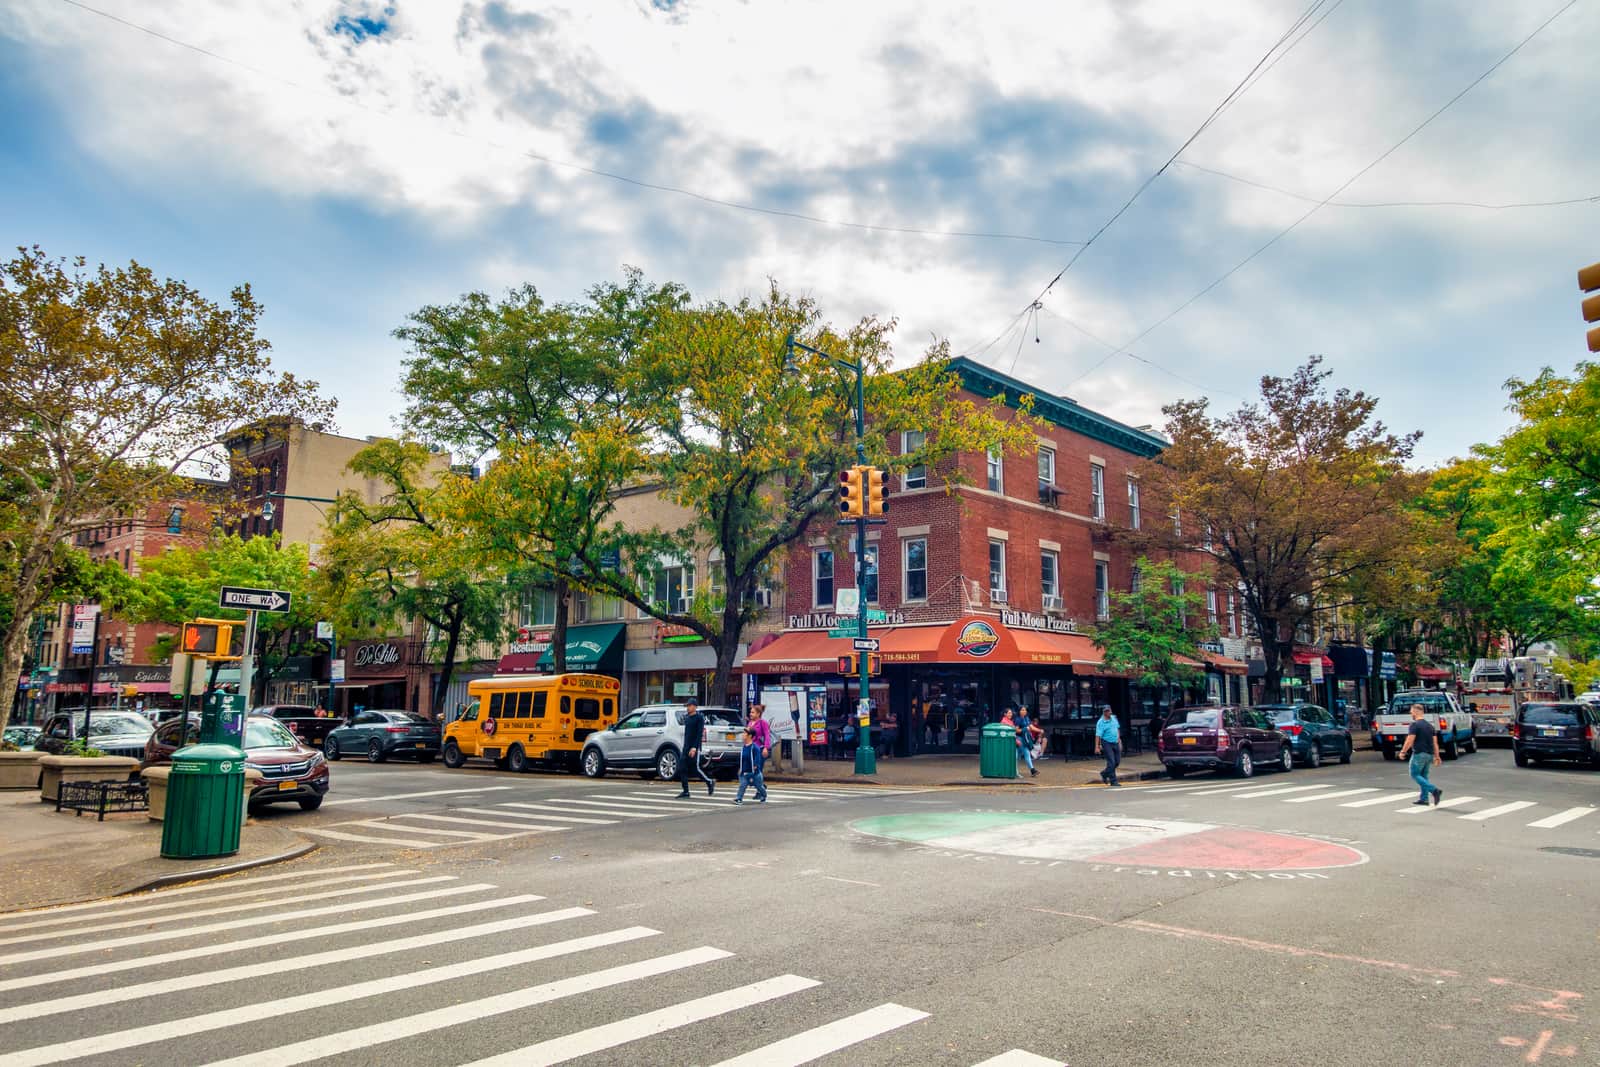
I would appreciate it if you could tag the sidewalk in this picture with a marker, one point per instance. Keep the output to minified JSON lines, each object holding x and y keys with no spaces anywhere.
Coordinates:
{"x":962,"y":770}
{"x":61,"y":858}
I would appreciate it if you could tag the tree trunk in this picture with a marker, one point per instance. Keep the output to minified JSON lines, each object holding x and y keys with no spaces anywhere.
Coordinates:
{"x":727,"y":648}
{"x":1272,"y":656}
{"x":1375,"y":674}
{"x":16,"y":644}
{"x":447,"y":668}
{"x":558,"y":639}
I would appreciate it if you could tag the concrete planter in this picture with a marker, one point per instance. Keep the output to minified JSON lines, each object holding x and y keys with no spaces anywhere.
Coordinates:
{"x":57,"y":769}
{"x":19,"y":770}
{"x":156,"y":779}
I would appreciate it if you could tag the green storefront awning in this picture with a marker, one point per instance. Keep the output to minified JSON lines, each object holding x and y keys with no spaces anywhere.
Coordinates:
{"x":591,"y":648}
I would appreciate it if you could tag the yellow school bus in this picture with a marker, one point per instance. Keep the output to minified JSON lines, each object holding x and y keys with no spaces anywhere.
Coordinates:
{"x":523,"y":721}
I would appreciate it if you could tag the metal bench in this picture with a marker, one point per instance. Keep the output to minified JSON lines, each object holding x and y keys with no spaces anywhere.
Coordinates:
{"x":101,"y":797}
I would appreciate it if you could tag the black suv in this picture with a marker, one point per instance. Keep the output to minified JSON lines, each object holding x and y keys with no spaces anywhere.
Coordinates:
{"x":1566,"y":731}
{"x":116,"y":733}
{"x":308,"y":727}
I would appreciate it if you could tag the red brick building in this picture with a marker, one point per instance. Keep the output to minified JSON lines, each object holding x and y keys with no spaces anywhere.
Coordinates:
{"x":987,"y":588}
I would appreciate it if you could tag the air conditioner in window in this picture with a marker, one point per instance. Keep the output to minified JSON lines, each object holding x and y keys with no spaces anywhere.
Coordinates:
{"x":997,"y":596}
{"x":763,"y":598}
{"x":684,"y":603}
{"x":1049,"y":494}
{"x":1052,"y":603}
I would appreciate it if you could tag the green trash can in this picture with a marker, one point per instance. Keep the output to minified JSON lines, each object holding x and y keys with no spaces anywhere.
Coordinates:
{"x":997,"y":751}
{"x":205,"y":803}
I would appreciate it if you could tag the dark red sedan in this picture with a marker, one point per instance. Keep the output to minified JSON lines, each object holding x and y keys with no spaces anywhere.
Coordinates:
{"x":289,"y":769}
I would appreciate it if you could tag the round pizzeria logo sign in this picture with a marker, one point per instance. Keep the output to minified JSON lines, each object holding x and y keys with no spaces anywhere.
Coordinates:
{"x":977,"y":639}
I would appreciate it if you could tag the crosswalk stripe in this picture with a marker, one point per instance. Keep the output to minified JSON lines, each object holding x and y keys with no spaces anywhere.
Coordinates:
{"x":248,"y":1013}
{"x":1224,"y":788}
{"x":256,"y":920}
{"x":481,"y":822}
{"x":610,"y":1035}
{"x":1562,"y":818}
{"x":1018,"y":1058}
{"x":414,"y":796}
{"x":1331,"y":796}
{"x":820,"y":1041}
{"x":472,"y":1009}
{"x":544,"y":814}
{"x":311,"y":882}
{"x":1279,"y":791}
{"x":1503,"y":809}
{"x":229,"y":909}
{"x":249,"y":971}
{"x":1418,"y":809}
{"x":631,"y":811}
{"x":640,"y":798}
{"x":371,"y":839}
{"x":1385,"y":798}
{"x":384,"y":824}
{"x":96,"y":970}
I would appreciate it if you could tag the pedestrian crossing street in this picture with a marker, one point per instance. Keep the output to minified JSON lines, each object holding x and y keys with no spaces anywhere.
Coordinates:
{"x":414,"y":969}
{"x":603,"y":805}
{"x":1386,"y":801}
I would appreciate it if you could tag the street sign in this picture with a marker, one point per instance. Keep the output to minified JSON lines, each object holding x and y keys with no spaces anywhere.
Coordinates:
{"x":876,"y":615}
{"x":324,"y":631}
{"x":846,"y":601}
{"x":865,"y":644}
{"x":254,"y":599}
{"x":843,"y":631}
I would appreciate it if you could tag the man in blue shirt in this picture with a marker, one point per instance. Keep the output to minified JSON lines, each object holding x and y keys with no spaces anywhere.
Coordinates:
{"x":1108,"y":742}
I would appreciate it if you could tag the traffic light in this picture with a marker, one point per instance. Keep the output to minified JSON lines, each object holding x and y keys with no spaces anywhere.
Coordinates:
{"x":877,"y":491}
{"x":1589,"y":282}
{"x":874,"y":664}
{"x":212,"y":639}
{"x":130,"y":691}
{"x":852,"y":502}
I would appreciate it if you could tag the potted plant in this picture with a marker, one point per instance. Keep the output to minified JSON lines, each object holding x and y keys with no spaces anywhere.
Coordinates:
{"x":79,"y":762}
{"x":19,"y":768}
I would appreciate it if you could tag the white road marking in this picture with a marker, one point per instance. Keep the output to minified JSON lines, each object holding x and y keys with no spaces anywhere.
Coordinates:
{"x":97,"y":970}
{"x":1562,"y":819}
{"x":1018,"y":1058}
{"x":473,"y":1009}
{"x":256,"y":920}
{"x":383,"y":824}
{"x":369,"y":839}
{"x":1279,"y":791}
{"x":608,"y":807}
{"x":248,"y":1013}
{"x":1330,"y":796}
{"x":1418,"y":809}
{"x":544,"y":814}
{"x":610,"y":1035}
{"x":1386,"y":798}
{"x":640,"y":798}
{"x":1223,"y":788}
{"x":1504,"y":809}
{"x":821,"y":1041}
{"x":413,"y":796}
{"x":200,"y":980}
{"x":522,"y":826}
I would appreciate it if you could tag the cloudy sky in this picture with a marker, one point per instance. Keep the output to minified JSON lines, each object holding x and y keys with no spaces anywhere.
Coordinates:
{"x":354,"y":160}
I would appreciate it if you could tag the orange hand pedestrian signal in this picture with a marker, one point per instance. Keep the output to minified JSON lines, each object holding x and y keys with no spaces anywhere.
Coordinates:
{"x":211,"y":639}
{"x":199,"y":639}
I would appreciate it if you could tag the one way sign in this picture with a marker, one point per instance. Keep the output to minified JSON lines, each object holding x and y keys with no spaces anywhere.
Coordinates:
{"x":254,"y":599}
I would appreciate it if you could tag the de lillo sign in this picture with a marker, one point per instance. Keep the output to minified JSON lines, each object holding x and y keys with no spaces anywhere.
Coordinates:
{"x":382,"y":655}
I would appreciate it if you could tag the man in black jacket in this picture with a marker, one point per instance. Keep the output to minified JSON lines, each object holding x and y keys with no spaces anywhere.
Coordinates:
{"x":694,"y":733}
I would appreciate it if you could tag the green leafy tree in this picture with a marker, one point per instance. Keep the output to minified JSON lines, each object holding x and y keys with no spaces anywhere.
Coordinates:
{"x":1152,"y":634}
{"x":111,"y":382}
{"x":1551,"y":457}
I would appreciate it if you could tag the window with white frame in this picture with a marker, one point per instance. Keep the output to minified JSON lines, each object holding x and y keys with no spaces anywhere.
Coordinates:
{"x":869,"y":575}
{"x":914,"y":566}
{"x":914,"y":477}
{"x":1102,"y":589}
{"x":1233,"y":616}
{"x":997,"y":571}
{"x":1177,"y":592}
{"x":822,"y":578}
{"x":1133,"y":503}
{"x":1097,"y":491}
{"x":1205,"y":541}
{"x":996,"y":471}
{"x":674,"y":586}
{"x":1211,"y":606}
{"x":594,"y":607}
{"x":1050,"y":577}
{"x":1177,"y":522}
{"x":1135,"y":579}
{"x":537,"y":607}
{"x":1047,"y":466}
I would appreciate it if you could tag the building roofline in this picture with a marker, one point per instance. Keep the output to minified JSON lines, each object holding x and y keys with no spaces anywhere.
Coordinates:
{"x":1063,"y":411}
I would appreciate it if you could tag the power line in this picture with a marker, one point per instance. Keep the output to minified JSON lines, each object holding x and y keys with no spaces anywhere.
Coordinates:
{"x":1391,"y":150}
{"x":581,"y":168}
{"x":1388,"y":203}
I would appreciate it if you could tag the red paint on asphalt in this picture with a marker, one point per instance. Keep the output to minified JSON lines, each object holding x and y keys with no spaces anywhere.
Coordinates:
{"x":1236,"y":850}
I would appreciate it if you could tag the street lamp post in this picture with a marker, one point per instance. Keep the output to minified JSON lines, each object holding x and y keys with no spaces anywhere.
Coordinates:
{"x":866,"y":758}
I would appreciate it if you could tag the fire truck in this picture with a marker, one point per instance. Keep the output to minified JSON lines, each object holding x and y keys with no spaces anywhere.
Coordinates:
{"x":1496,"y":688}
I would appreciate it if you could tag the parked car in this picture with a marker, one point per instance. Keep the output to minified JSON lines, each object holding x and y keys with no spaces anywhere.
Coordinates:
{"x":1223,"y":738}
{"x":1552,"y":731}
{"x":303,"y":721}
{"x":1313,"y":734}
{"x":1393,"y":723}
{"x":116,"y":733}
{"x":21,"y":735}
{"x":379,"y":734}
{"x":289,"y":769}
{"x":650,"y":738}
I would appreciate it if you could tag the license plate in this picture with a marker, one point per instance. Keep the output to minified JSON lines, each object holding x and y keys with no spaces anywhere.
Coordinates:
{"x":422,"y":744}
{"x":284,"y":787}
{"x":1189,"y":741}
{"x":1551,"y":733}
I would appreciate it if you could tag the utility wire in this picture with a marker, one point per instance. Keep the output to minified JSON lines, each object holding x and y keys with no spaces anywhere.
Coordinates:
{"x":1391,"y":150}
{"x":581,"y":168}
{"x":1388,"y":203}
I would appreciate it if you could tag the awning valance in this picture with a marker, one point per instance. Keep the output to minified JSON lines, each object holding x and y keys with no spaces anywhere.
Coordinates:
{"x":970,"y":640}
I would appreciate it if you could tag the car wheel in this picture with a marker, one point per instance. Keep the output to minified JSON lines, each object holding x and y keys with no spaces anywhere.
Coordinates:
{"x":310,"y":803}
{"x":517,"y":760}
{"x":425,"y":757}
{"x":1347,"y":753}
{"x":452,"y":755}
{"x":1176,"y":772}
{"x":1314,"y":757}
{"x":594,"y":764}
{"x":1389,"y":753}
{"x":1519,"y":759}
{"x":1286,"y":758}
{"x":375,"y":752}
{"x":330,"y":748}
{"x":1451,"y":751}
{"x":667,"y":764}
{"x":1244,"y":766}
{"x":1472,"y":742}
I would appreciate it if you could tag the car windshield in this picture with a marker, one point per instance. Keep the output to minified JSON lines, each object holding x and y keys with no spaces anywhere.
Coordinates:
{"x":407,"y":717}
{"x":720,"y":717}
{"x":1280,"y":712}
{"x":1206,"y":717}
{"x":1551,"y":715}
{"x":102,"y":725}
{"x":264,"y":733}
{"x":1432,"y":704}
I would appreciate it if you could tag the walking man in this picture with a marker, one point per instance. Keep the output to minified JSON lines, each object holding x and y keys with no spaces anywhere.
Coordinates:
{"x":1108,"y":742}
{"x":694,"y":736}
{"x":1422,"y":743}
{"x":753,"y":758}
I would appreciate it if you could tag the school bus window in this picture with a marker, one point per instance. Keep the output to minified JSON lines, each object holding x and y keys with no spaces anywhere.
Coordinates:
{"x":524,"y":704}
{"x":495,"y":700}
{"x":471,"y":714}
{"x":566,"y":705}
{"x":539,"y":700}
{"x":588,"y":708}
{"x":609,"y":709}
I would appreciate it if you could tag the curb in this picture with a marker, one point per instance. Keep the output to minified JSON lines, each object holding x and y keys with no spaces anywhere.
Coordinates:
{"x":178,"y":877}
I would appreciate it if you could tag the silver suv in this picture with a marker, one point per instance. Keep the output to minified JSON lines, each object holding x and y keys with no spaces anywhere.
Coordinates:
{"x":650,"y":739}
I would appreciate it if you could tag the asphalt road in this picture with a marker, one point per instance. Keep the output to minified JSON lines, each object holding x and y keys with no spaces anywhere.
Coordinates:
{"x":1309,"y":917}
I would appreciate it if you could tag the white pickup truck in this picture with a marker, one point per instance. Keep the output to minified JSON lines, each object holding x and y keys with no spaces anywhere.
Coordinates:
{"x":1392,"y":724}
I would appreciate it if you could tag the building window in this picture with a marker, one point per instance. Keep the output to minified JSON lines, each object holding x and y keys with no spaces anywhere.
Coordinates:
{"x":1133,"y":504}
{"x":1211,"y":606}
{"x":996,"y":471}
{"x":1183,"y":617}
{"x":673,"y":587}
{"x":997,"y":571}
{"x":1047,"y":466}
{"x":822,"y":578}
{"x":1102,"y":589}
{"x":916,"y":569}
{"x":537,"y":608}
{"x":1233,"y":619}
{"x":914,"y":477}
{"x":869,"y":575}
{"x":1206,"y":542}
{"x":1136,"y":579}
{"x":1177,"y":522}
{"x":1050,"y":578}
{"x":593,"y":607}
{"x":1097,"y":491}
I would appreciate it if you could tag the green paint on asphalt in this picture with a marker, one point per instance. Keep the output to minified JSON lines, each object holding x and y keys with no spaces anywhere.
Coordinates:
{"x":927,"y":827}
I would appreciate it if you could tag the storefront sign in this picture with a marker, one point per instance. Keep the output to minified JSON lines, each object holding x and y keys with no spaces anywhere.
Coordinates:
{"x":1027,"y":620}
{"x":824,"y":620}
{"x":685,"y":689}
{"x":385,"y":654}
{"x":667,"y":634}
{"x":977,"y":639}
{"x":1214,"y":647}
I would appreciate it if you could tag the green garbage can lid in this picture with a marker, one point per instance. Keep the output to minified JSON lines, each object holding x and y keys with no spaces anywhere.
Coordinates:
{"x":207,"y":758}
{"x":999,"y":728}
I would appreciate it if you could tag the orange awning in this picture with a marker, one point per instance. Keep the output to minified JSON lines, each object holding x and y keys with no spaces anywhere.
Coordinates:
{"x":1227,"y":665}
{"x":798,"y":652}
{"x":801,"y":651}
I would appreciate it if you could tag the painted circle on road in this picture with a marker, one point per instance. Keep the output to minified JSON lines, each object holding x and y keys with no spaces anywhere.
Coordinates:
{"x":1097,"y":839}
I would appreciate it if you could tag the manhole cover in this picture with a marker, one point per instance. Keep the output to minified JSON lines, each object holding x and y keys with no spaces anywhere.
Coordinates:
{"x":1133,"y":828}
{"x":485,"y":862}
{"x":1591,"y":853}
{"x":708,"y":846}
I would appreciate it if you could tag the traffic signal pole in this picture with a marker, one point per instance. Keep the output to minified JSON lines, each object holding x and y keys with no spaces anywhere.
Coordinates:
{"x":247,"y":662}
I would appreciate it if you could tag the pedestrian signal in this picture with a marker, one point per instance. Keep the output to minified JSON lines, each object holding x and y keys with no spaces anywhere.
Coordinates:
{"x":850,"y":665}
{"x":200,"y":638}
{"x":212,"y":639}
